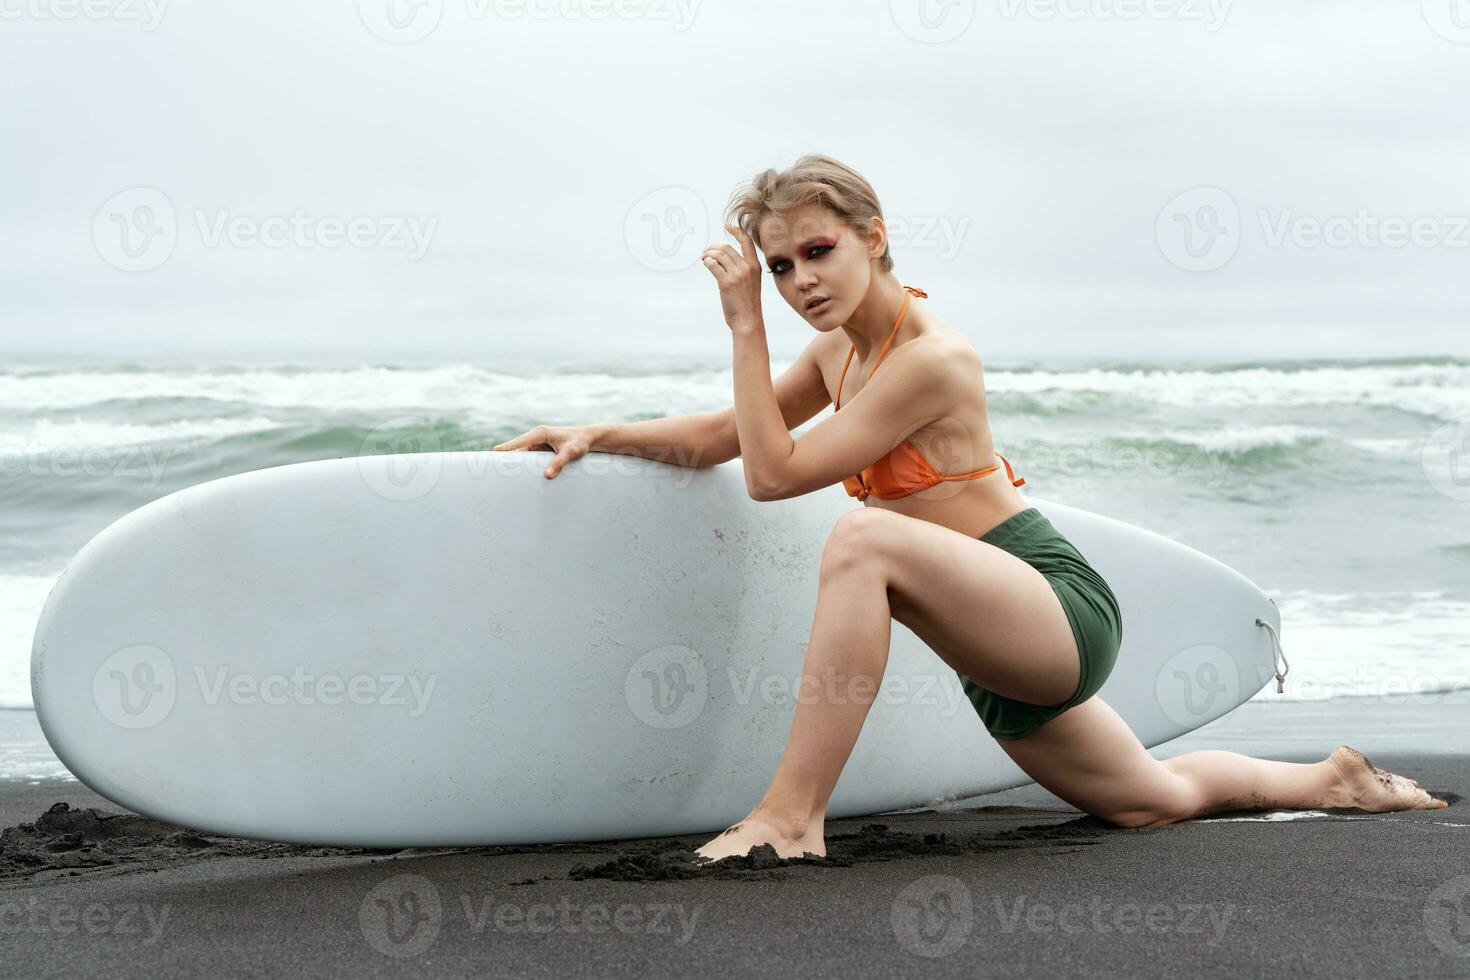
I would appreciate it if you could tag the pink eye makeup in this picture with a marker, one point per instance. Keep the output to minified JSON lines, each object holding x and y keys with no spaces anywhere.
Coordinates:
{"x":814,"y":249}
{"x":823,"y":243}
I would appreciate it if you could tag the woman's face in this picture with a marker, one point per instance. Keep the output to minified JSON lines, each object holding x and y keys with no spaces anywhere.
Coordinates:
{"x":821,"y":264}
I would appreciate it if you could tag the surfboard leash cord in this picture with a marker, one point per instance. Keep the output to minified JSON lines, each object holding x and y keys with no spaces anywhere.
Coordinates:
{"x":1276,"y":653}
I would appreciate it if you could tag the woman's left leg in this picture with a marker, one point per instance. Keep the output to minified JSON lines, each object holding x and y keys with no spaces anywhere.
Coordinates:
{"x":1002,"y":626}
{"x":1089,"y":757}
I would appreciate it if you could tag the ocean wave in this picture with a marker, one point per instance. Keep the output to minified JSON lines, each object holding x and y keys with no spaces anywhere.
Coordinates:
{"x":21,"y":599}
{"x":57,"y":472}
{"x":1434,"y":390}
{"x":362,"y":388}
{"x":1384,"y":645}
{"x":45,"y":436}
{"x":1389,"y":447}
{"x":1266,"y":444}
{"x":59,"y":493}
{"x":1173,"y":451}
{"x":1430,"y":387}
{"x":490,"y":394}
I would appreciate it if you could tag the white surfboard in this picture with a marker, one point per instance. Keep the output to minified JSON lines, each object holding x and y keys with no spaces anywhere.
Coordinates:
{"x":448,"y":649}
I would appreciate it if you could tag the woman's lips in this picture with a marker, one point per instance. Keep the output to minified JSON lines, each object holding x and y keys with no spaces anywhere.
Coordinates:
{"x":819,"y":307}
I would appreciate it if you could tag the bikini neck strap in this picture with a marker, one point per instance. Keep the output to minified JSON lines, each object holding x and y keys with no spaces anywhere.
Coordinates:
{"x":902,"y":313}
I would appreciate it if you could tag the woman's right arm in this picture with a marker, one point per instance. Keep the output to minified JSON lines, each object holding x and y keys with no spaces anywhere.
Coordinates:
{"x":698,"y":440}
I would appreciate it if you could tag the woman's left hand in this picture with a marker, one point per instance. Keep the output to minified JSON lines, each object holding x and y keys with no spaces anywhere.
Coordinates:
{"x":739,"y":276}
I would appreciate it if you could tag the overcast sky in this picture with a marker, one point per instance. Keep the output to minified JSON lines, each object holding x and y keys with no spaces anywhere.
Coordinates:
{"x":452,"y":179}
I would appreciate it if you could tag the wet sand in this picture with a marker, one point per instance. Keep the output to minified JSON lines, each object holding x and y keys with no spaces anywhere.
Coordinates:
{"x":1015,"y":882}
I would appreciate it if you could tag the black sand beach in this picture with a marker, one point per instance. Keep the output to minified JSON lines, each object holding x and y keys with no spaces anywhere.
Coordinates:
{"x":1015,"y":883}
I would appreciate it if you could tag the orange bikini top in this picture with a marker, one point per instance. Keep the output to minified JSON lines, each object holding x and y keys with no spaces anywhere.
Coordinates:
{"x":904,"y":470}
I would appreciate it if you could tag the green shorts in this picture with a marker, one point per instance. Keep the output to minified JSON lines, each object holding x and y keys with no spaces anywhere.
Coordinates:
{"x":1091,"y":608}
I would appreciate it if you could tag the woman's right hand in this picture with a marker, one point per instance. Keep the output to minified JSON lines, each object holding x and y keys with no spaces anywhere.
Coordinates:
{"x":569,"y":442}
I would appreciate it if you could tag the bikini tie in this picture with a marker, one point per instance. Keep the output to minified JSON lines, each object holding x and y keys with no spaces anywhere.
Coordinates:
{"x":917,"y":292}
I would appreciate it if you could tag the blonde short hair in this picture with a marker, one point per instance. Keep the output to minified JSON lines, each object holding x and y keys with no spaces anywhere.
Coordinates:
{"x":812,"y":179}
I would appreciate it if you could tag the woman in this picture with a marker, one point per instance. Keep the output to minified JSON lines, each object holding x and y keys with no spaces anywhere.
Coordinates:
{"x":943,"y":544}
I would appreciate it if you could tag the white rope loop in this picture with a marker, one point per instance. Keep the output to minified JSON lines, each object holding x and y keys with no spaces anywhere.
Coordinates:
{"x":1276,"y":652}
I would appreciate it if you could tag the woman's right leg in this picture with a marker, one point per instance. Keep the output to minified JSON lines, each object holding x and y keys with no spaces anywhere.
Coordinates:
{"x":1089,"y":757}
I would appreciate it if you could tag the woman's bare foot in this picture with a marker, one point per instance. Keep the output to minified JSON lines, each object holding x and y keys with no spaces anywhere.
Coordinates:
{"x":1368,"y":788}
{"x":790,"y":839}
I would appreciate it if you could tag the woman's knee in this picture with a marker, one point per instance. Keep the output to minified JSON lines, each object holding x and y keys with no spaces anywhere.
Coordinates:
{"x":1168,"y":800}
{"x":854,"y":542}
